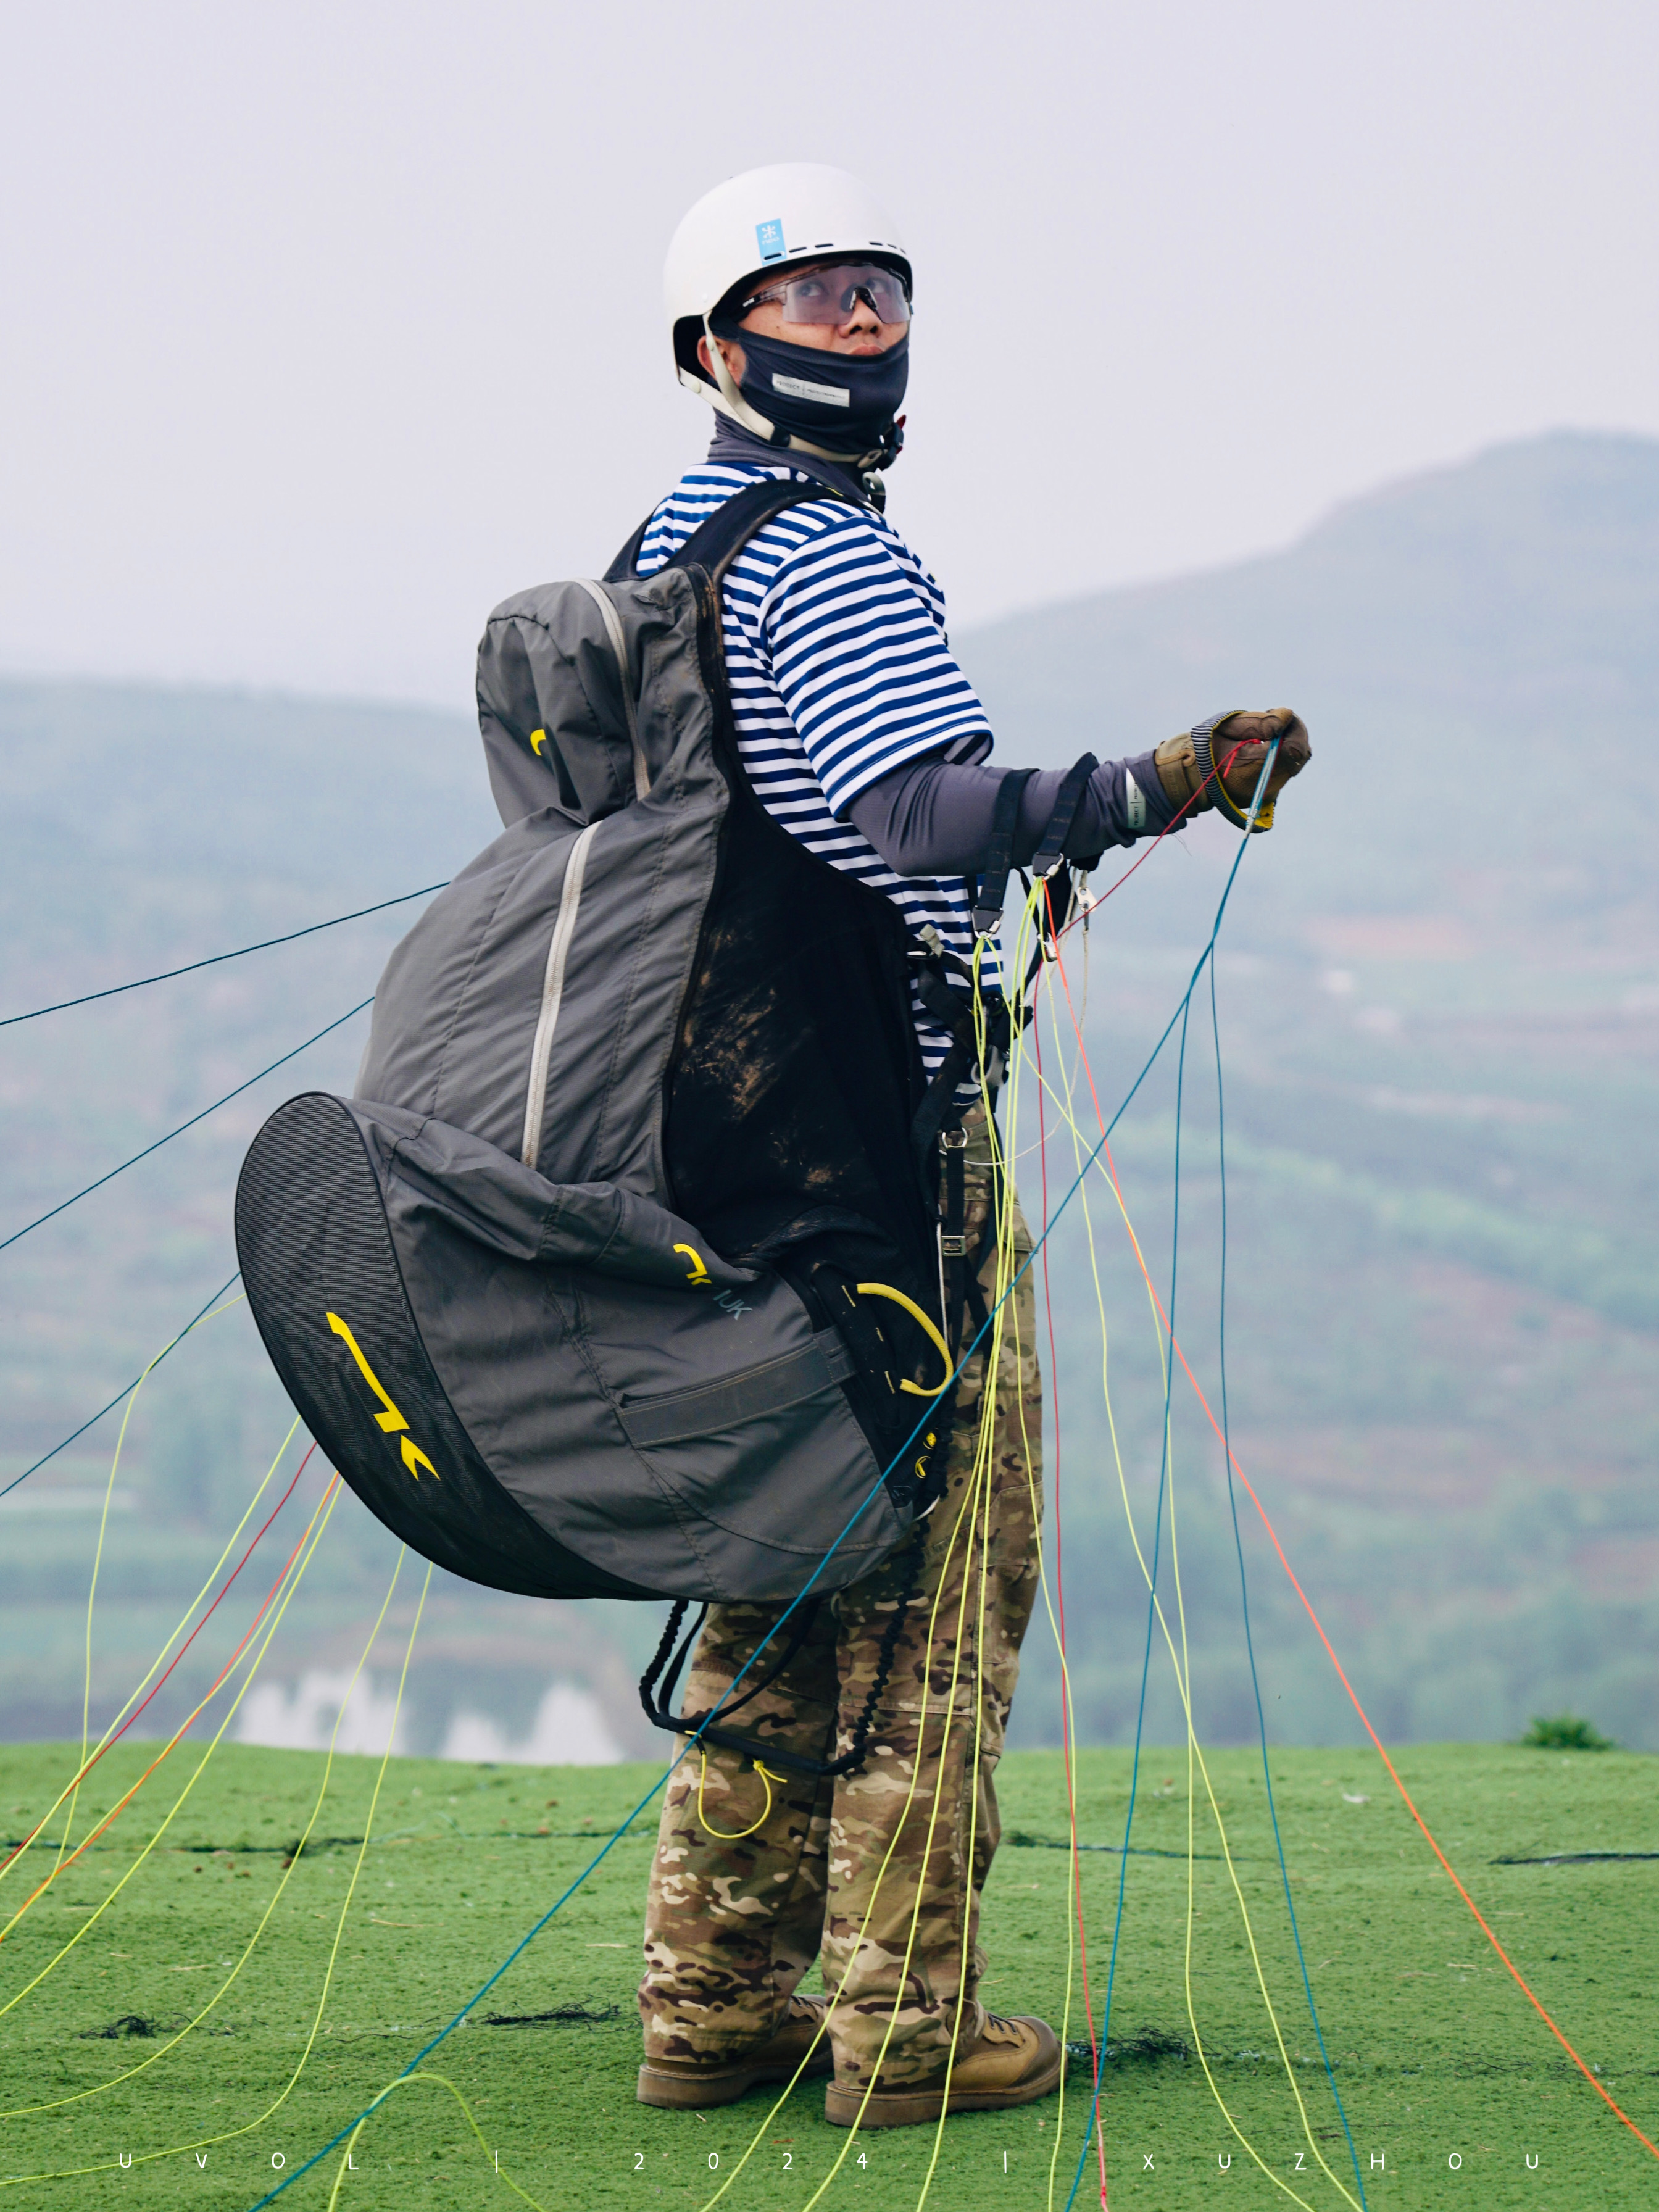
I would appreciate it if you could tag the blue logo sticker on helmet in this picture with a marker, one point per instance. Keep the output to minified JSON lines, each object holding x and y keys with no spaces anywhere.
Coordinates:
{"x":768,"y":236}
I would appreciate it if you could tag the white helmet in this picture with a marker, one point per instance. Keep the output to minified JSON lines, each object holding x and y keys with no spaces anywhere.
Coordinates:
{"x":765,"y":219}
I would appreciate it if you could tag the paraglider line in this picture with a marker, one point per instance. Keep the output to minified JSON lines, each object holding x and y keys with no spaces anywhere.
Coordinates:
{"x":116,"y":1735}
{"x":213,"y":959}
{"x":64,"y":1204}
{"x":94,"y":1418}
{"x":1245,"y":1600}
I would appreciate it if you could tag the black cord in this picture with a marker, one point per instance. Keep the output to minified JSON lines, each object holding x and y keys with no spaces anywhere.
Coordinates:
{"x":213,"y":959}
{"x":887,"y":1652}
{"x":119,"y":1395}
{"x":658,"y":1707}
{"x":64,"y":1203}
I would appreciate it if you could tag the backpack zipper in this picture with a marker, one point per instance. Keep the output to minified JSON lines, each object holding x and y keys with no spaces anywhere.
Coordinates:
{"x":606,"y":605}
{"x":558,"y":951}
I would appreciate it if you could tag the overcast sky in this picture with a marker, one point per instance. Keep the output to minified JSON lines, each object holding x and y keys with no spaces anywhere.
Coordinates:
{"x":326,"y":327}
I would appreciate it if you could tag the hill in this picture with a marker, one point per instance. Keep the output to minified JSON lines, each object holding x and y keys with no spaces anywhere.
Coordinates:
{"x":1474,"y":650}
{"x":1439,"y":998}
{"x":1442,"y":1037}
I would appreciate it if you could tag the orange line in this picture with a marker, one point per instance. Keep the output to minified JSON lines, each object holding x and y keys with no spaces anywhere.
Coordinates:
{"x":168,"y":1749}
{"x":178,"y":1654}
{"x":1319,"y":1630}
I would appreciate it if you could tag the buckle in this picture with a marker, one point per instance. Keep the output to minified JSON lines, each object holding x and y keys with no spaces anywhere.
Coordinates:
{"x":953,"y":1140}
{"x":953,"y":1247}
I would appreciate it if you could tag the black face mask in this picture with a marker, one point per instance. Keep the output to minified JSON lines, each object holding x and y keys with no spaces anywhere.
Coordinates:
{"x":787,"y":385}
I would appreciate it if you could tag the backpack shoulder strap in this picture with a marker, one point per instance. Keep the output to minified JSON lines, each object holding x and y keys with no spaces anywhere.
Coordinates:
{"x":714,"y":545}
{"x":626,"y":565}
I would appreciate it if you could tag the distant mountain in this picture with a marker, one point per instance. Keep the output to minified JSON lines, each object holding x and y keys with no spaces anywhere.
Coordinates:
{"x":1476,"y":652}
{"x":184,"y":805}
{"x":1439,"y":1001}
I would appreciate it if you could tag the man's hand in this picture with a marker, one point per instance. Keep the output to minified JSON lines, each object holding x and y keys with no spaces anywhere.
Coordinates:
{"x":1240,"y":745}
{"x":1236,"y":744}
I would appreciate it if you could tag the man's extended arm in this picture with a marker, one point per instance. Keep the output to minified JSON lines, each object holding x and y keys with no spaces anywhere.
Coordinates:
{"x":932,"y":817}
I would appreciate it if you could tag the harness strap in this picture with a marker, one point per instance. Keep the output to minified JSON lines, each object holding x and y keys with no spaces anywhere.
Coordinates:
{"x":953,"y":1232}
{"x":954,"y":1012}
{"x":716,"y":544}
{"x":959,"y":1267}
{"x":1051,"y":845}
{"x":992,"y":882}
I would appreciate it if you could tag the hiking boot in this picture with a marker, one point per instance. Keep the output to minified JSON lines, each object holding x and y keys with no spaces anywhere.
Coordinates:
{"x":1014,"y":2062}
{"x":695,"y":2083}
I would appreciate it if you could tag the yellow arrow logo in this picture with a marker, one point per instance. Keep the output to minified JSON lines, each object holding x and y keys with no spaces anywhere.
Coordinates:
{"x":390,"y":1420}
{"x":538,"y":740}
{"x":413,"y":1452}
{"x":699,"y":1274}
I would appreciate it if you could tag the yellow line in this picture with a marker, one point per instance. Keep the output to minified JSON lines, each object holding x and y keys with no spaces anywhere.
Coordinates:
{"x":24,"y":2112}
{"x":292,"y":1580}
{"x":1073,"y":1893}
{"x":406,"y":2081}
{"x":73,"y":1789}
{"x":988,"y":1404}
{"x":1002,"y":1281}
{"x":208,"y":2142}
{"x":969,"y":1507}
{"x":1194,"y":1750}
{"x":875,"y":1895}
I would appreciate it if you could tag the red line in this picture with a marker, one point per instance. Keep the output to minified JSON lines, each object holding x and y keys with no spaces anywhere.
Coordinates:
{"x":168,"y":1749}
{"x":1068,"y":1748}
{"x":183,"y":1648}
{"x":1156,"y":842}
{"x":1330,"y":1651}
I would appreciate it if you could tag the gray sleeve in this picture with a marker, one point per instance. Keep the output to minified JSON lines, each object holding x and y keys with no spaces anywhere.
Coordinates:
{"x":932,"y":817}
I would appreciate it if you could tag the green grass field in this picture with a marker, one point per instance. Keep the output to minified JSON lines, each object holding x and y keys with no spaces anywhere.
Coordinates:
{"x":1438,"y":2056}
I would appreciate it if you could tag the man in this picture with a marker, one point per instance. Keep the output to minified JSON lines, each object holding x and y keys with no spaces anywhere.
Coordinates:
{"x":789,"y":302}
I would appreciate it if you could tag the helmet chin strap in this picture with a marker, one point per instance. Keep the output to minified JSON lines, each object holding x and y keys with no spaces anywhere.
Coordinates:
{"x":726,"y":398}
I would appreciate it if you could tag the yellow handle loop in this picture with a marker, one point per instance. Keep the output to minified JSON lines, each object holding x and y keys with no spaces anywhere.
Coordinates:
{"x":737,"y":1835}
{"x":885,"y":1290}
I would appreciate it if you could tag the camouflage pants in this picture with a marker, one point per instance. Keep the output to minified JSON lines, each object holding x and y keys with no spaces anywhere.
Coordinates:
{"x":878,"y":1873}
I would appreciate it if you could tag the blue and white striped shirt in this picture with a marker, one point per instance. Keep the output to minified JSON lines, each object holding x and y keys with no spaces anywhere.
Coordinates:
{"x":840,"y":671}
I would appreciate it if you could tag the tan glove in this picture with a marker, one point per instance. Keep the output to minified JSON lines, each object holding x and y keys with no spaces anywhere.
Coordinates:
{"x":1236,"y":744}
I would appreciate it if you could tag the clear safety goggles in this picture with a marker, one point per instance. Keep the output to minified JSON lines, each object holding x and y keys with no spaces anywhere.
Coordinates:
{"x":831,"y":295}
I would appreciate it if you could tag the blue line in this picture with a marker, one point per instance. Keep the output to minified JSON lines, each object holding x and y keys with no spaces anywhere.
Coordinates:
{"x":1244,"y":1598}
{"x":64,"y":1204}
{"x":1152,"y":1613}
{"x":710,"y":1718}
{"x":1180,"y":1014}
{"x":119,"y":1395}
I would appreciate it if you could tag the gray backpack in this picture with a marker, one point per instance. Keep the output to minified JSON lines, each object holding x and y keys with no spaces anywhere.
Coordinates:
{"x":619,"y":1276}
